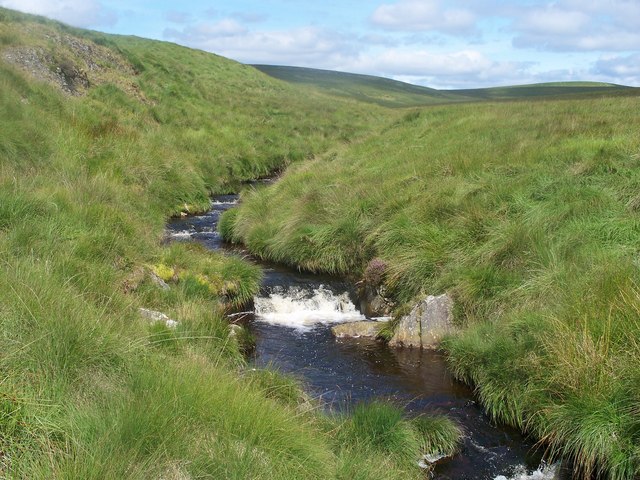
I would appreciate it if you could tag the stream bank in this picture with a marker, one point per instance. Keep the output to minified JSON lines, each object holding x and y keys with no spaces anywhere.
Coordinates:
{"x":291,"y":324}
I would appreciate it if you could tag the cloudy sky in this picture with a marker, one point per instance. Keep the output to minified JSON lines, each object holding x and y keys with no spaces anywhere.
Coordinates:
{"x":437,"y":43}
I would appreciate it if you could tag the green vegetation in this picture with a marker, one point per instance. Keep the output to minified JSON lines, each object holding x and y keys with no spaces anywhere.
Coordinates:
{"x":528,"y":213}
{"x":101,"y":139}
{"x":392,"y":93}
{"x":547,"y":90}
{"x":380,"y":429}
{"x":198,"y":274}
{"x":365,"y":88}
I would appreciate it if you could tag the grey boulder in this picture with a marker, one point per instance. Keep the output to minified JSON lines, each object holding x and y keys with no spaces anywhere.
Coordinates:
{"x":427,"y":323}
{"x":366,"y":328}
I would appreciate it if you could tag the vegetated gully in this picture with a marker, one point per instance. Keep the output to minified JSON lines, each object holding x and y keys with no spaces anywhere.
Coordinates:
{"x":291,"y":324}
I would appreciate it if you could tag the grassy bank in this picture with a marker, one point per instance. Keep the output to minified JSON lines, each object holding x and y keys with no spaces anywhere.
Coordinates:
{"x":528,"y":214}
{"x":101,"y":139}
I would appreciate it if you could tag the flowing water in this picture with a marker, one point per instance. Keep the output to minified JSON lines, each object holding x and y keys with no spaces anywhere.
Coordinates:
{"x":292,"y":322}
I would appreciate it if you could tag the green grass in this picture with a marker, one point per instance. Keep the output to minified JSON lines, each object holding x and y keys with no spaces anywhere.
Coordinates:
{"x":382,"y":427}
{"x":548,"y":90}
{"x":381,"y":430}
{"x":527,"y":214}
{"x":88,"y":388}
{"x":365,"y":88}
{"x":392,"y":93}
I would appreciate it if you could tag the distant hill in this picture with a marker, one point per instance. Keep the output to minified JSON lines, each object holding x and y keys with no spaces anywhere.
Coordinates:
{"x":543,"y":90}
{"x":367,"y":88}
{"x":393,"y":93}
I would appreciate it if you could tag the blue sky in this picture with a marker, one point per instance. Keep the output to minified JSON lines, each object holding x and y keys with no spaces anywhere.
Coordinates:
{"x":437,"y":43}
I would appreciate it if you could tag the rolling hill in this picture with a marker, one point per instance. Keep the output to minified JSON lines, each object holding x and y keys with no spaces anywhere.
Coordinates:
{"x":393,"y":93}
{"x":528,"y":214}
{"x":551,"y":89}
{"x":366,"y":88}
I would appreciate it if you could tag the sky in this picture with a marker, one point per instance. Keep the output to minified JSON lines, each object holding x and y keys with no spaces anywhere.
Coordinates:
{"x":435,"y":43}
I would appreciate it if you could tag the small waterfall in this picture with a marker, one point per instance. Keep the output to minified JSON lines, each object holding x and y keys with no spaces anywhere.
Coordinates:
{"x":301,"y":308}
{"x":544,"y":472}
{"x":230,"y":201}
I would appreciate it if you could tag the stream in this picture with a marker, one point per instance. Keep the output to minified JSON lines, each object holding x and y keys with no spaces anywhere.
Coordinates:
{"x":292,"y":326}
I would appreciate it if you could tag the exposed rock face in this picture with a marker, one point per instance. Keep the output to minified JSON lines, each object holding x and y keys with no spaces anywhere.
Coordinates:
{"x":371,"y":290}
{"x":64,"y":73}
{"x":71,"y":63}
{"x":408,"y":330}
{"x":357,"y":329}
{"x":373,"y":303}
{"x":429,"y":321}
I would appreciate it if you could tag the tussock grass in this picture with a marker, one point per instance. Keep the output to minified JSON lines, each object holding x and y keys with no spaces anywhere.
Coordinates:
{"x":438,"y":434}
{"x":381,"y":429}
{"x":199,"y":273}
{"x":525,"y":213}
{"x":89,"y":388}
{"x":281,"y":387}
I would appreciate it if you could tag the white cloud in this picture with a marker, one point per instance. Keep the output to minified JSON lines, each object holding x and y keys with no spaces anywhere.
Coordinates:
{"x":423,"y":15}
{"x":421,"y":62}
{"x":303,"y":46}
{"x":579,"y":25}
{"x":80,"y":13}
{"x":461,"y":69}
{"x":624,"y":69}
{"x":554,"y":21}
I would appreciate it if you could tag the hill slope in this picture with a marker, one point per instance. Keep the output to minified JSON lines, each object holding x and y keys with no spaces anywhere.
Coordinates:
{"x":392,"y":93}
{"x":101,"y":138}
{"x":366,"y":88}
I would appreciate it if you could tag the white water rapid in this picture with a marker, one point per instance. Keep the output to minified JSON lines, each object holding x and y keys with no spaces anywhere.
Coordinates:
{"x":544,"y":472}
{"x":299,"y":308}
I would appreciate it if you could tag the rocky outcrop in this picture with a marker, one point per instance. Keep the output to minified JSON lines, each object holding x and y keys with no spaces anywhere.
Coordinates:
{"x":427,"y":323}
{"x":72,"y":64}
{"x":366,"y":328}
{"x":408,"y":331}
{"x":374,"y":301}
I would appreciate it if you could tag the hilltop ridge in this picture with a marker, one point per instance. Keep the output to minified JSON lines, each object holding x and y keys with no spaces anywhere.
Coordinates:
{"x":394,"y":93}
